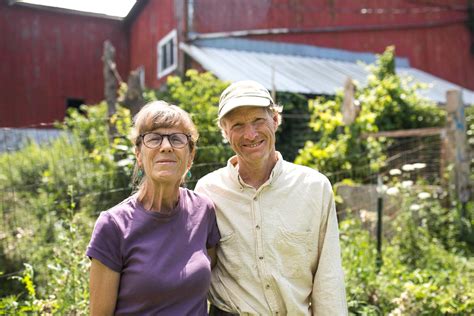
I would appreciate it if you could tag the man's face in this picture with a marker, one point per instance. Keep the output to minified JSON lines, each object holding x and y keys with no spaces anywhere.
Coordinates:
{"x":251,"y":133}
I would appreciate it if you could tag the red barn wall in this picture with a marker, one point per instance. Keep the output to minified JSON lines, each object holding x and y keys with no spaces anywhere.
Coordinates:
{"x":432,"y":34}
{"x":50,"y":56}
{"x":155,"y":21}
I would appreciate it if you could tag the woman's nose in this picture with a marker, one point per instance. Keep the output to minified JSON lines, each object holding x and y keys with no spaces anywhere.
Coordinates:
{"x":166,"y":145}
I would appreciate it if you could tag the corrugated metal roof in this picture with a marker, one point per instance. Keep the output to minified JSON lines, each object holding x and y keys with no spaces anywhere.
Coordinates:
{"x":307,"y":73}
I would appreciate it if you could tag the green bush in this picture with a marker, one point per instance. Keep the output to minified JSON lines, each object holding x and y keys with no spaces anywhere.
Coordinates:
{"x":427,"y":268}
{"x":36,"y":181}
{"x":63,"y":288}
{"x":386,"y":103}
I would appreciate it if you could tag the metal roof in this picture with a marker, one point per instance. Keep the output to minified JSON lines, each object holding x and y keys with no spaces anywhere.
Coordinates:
{"x":302,"y":68}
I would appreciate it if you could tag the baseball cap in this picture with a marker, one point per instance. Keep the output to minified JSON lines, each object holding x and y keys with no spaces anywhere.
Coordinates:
{"x":243,"y":93}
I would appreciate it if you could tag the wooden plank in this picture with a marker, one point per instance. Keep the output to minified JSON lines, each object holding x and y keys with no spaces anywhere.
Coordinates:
{"x":415,"y":132}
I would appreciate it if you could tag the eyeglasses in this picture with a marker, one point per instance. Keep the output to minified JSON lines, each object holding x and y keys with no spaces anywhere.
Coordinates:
{"x":153,"y":140}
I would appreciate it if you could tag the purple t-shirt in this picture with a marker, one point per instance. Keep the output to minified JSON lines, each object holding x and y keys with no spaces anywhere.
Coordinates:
{"x":162,"y":258}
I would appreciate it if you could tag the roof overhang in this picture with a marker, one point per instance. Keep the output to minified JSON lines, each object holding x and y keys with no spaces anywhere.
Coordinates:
{"x":302,"y":68}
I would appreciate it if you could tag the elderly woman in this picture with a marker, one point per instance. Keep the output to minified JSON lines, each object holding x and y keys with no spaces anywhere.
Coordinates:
{"x":150,"y":252}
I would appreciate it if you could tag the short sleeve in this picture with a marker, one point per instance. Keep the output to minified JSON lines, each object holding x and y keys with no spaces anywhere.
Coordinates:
{"x":213,"y":235}
{"x":105,"y":244}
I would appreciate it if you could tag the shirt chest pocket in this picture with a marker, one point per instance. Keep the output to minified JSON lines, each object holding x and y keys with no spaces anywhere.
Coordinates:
{"x":296,"y":252}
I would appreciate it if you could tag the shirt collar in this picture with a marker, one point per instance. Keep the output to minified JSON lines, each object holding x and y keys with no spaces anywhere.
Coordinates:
{"x":233,"y":169}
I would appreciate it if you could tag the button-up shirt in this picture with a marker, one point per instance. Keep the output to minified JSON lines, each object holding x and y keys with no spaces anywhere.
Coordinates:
{"x":279,"y":250}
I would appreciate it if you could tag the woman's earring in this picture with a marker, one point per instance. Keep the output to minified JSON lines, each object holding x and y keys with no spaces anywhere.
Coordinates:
{"x":140,"y":173}
{"x":189,"y":174}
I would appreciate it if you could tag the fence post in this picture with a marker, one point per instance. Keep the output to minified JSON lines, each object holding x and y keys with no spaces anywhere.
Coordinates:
{"x":458,"y":151}
{"x":349,"y":109}
{"x":111,"y":81}
{"x":378,"y":260}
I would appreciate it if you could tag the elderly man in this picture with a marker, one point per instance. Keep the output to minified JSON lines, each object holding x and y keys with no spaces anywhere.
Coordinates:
{"x":279,"y":250}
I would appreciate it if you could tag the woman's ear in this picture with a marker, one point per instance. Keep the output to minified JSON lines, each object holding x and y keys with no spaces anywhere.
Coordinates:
{"x":138,"y":156}
{"x":191,"y":158}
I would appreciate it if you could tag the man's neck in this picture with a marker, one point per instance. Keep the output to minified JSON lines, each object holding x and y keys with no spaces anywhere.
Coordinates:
{"x":256,"y":173}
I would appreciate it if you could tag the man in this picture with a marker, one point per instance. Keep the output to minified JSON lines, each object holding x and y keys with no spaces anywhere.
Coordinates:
{"x":279,"y":250}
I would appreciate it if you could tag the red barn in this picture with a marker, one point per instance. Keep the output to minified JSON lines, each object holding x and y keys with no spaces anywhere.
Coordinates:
{"x":51,"y":58}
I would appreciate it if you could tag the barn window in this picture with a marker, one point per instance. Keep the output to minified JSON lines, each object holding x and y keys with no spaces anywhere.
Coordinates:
{"x":167,"y":54}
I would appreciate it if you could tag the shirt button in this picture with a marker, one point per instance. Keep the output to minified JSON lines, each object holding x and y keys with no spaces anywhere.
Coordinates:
{"x":261,"y":257}
{"x":257,"y":227}
{"x":267,"y":286}
{"x":254,"y":198}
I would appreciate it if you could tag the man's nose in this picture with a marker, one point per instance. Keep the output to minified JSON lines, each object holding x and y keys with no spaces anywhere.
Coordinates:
{"x":250,"y":132}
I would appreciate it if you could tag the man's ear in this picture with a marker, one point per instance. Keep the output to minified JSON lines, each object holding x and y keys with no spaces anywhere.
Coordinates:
{"x":275,"y":120}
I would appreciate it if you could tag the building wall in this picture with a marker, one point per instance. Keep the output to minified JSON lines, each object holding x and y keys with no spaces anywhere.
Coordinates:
{"x":49,"y":56}
{"x":432,"y":34}
{"x":155,"y":21}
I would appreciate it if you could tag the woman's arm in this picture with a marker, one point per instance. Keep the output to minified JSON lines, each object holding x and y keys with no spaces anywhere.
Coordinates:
{"x":104,"y":284}
{"x":212,"y":254}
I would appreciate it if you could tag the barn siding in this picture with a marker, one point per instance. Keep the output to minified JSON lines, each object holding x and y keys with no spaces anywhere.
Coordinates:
{"x":154,"y":22}
{"x":48,"y":57}
{"x":442,"y":50}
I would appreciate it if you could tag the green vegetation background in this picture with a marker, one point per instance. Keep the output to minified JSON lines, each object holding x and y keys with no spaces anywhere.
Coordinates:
{"x":53,"y":194}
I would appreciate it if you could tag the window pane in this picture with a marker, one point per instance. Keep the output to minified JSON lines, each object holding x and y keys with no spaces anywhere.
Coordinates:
{"x":171,"y":53}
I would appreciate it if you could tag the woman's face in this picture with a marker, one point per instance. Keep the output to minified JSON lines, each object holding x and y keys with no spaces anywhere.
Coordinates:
{"x":165,"y":163}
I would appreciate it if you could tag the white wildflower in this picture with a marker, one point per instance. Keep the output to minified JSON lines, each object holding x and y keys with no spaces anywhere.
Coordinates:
{"x":414,"y":207}
{"x":393,"y":191}
{"x":419,"y":165}
{"x":407,"y":184}
{"x":408,"y":167}
{"x":424,"y":195}
{"x":395,"y":172}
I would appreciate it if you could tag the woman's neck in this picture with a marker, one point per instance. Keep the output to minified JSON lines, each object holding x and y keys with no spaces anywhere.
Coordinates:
{"x":160,"y":197}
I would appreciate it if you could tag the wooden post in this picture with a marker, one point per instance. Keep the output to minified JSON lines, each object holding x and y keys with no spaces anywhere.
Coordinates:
{"x":458,"y":150}
{"x":110,"y":83}
{"x":133,"y":99}
{"x":349,"y":109}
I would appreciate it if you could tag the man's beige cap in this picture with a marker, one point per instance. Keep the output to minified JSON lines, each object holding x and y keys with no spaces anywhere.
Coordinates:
{"x":243,"y":93}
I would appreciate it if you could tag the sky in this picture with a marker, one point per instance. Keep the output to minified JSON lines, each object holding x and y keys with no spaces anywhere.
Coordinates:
{"x":110,"y":7}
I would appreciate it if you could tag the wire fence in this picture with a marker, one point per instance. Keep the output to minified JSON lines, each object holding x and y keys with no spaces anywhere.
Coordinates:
{"x":30,"y":205}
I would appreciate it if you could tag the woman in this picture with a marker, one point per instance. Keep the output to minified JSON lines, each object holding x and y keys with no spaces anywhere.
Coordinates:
{"x":149,"y":252}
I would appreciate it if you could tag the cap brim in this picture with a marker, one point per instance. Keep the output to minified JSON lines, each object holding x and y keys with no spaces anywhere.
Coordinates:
{"x":243,"y":101}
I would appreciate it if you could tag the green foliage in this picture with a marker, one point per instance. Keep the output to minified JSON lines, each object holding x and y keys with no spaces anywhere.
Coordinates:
{"x":66,"y":290}
{"x":427,"y":266}
{"x":199,"y":95}
{"x":36,"y":210}
{"x":294,"y":130}
{"x":386,"y":103}
{"x":53,"y":192}
{"x":440,"y":284}
{"x":469,"y":112}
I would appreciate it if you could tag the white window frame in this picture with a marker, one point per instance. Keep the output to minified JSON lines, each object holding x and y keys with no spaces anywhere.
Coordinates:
{"x":171,"y":37}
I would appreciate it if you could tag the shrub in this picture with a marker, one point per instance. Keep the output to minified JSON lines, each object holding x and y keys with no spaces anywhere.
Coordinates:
{"x":386,"y":103}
